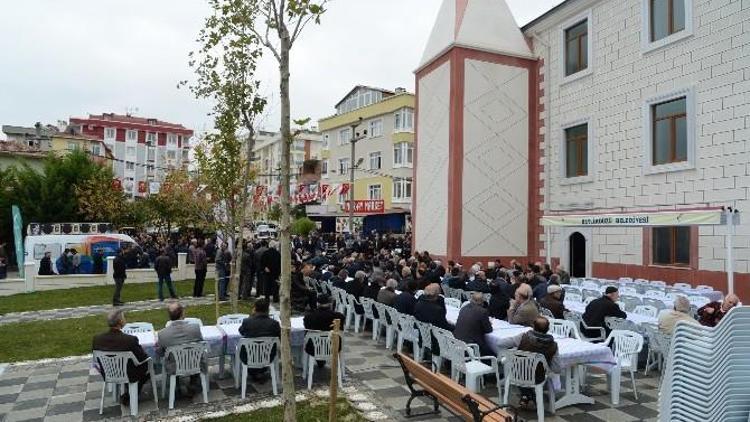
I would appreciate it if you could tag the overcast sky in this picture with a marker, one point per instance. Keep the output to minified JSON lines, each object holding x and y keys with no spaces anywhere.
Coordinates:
{"x":69,"y":58}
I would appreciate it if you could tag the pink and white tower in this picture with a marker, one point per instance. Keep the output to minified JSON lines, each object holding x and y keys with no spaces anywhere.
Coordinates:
{"x":476,"y":178}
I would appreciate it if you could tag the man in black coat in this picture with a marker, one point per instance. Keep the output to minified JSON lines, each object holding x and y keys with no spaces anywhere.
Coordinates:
{"x":163,"y":267}
{"x":45,"y":265}
{"x":261,"y":249}
{"x":473,"y":324}
{"x":119,"y":275}
{"x":270,"y":265}
{"x":321,"y":319}
{"x":430,"y":308}
{"x":114,"y":340}
{"x":479,"y":284}
{"x":259,"y":325}
{"x":405,"y":301}
{"x":601,"y":308}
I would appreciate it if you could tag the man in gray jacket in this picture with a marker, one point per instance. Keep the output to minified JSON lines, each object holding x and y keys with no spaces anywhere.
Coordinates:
{"x":523,"y":309}
{"x":180,"y":332}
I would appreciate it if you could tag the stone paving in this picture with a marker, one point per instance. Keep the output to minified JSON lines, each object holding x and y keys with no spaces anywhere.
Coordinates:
{"x":69,"y":390}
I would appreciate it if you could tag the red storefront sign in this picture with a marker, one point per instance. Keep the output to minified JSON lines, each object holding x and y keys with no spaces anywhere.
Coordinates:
{"x":366,"y":206}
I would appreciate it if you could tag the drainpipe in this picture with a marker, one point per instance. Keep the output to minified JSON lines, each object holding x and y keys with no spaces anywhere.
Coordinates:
{"x":547,"y":141}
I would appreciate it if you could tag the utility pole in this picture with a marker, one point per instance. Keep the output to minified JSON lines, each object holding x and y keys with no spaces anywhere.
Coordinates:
{"x":352,"y":166}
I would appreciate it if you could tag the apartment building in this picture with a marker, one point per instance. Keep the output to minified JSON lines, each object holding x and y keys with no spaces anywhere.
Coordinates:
{"x":144,"y":149}
{"x":384,"y":155}
{"x":597,"y":108}
{"x":56,"y":139}
{"x":307,"y":145}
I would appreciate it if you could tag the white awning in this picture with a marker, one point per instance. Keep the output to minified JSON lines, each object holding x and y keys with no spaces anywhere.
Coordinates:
{"x":663,"y":218}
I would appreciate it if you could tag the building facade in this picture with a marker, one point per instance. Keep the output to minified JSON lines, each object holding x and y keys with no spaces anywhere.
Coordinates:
{"x":306,"y":146}
{"x":53,"y":139}
{"x":144,"y":149}
{"x":384,"y":153}
{"x":601,"y":107}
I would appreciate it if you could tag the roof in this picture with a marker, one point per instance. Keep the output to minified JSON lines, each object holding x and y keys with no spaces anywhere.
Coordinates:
{"x":385,"y":91}
{"x":486,"y":25}
{"x":28,"y":131}
{"x":129,"y":119}
{"x":546,"y":14}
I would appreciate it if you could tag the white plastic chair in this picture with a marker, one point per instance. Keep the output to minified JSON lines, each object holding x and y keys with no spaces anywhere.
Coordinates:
{"x":407,"y":331}
{"x":589,"y":300}
{"x":627,"y":345}
{"x":466,"y":360}
{"x":630,"y":302}
{"x":656,"y":294}
{"x":258,"y":351}
{"x":577,"y":319}
{"x":114,"y":366}
{"x":384,"y":322}
{"x":351,"y":313}
{"x":698,"y":300}
{"x":628,"y":290}
{"x":545,"y":312}
{"x":658,"y":347}
{"x":425,"y":337}
{"x":187,"y":358}
{"x":646,"y":310}
{"x":563,"y":329}
{"x":657,"y":283}
{"x":589,"y":293}
{"x":520,"y":370}
{"x":441,"y":337}
{"x":615,"y":323}
{"x":231,"y":319}
{"x":573,"y":297}
{"x":704,"y":287}
{"x":453,"y":302}
{"x":368,"y":305}
{"x":138,"y":327}
{"x":322,"y":350}
{"x":195,"y":321}
{"x":625,"y":280}
{"x":682,"y":286}
{"x":656,"y":303}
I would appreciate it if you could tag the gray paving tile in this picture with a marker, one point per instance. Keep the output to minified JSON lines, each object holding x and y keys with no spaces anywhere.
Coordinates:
{"x":61,"y":409}
{"x":38,"y":385}
{"x":30,"y":404}
{"x":27,"y":414}
{"x":16,"y":380}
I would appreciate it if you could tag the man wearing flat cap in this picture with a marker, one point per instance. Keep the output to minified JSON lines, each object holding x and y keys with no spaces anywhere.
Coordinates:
{"x":601,"y":308}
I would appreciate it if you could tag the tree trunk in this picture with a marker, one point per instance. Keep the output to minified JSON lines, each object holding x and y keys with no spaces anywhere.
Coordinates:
{"x":290,"y":407}
{"x":240,"y":249}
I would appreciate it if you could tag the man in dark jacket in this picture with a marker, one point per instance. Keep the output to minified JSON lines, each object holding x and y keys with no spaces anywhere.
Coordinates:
{"x":271,"y":270}
{"x":430,"y":308}
{"x":248,"y":272}
{"x":405,"y":301}
{"x":98,"y":262}
{"x":114,"y":340}
{"x":499,"y":301}
{"x":601,"y":308}
{"x":163,"y":267}
{"x":339,"y":281}
{"x":200,"y":259}
{"x":45,"y":265}
{"x":473,"y":324}
{"x":223,"y":270}
{"x":456,"y":280}
{"x":119,"y":275}
{"x":553,"y":301}
{"x":321,"y":319}
{"x":538,"y":341}
{"x":259,"y":325}
{"x":257,"y":258}
{"x":62,"y":263}
{"x":479,"y":284}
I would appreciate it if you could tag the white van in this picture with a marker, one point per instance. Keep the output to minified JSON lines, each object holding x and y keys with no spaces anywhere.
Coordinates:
{"x":84,"y":244}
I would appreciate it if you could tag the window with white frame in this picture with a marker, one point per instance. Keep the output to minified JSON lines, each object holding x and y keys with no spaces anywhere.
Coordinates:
{"x":576,"y":41}
{"x":403,"y":154}
{"x":110,"y":133}
{"x":129,"y":166}
{"x":403,"y":120}
{"x":375,"y":160}
{"x":131,"y":135}
{"x":72,"y":146}
{"x":401,"y":189}
{"x":345,"y":136}
{"x":665,"y":22}
{"x":130,"y":151}
{"x":172,"y":140}
{"x":324,"y":169}
{"x":96,"y":150}
{"x":171,"y":155}
{"x":669,"y":138}
{"x":376,"y":128}
{"x":375,"y":192}
{"x":129,"y":184}
{"x":151,"y":138}
{"x":343,"y":166}
{"x":577,"y":150}
{"x":151,"y":154}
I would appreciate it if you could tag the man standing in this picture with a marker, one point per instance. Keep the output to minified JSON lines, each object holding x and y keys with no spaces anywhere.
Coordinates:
{"x":45,"y":265}
{"x":119,"y":275}
{"x":201,"y":265}
{"x":473,"y":324}
{"x":114,"y":340}
{"x":601,"y":308}
{"x":163,"y":267}
{"x":248,"y":272}
{"x":181,"y":332}
{"x":271,"y":267}
{"x":62,"y":263}
{"x":259,"y":270}
{"x":223,"y":263}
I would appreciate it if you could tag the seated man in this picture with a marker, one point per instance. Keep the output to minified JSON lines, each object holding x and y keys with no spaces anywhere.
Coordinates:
{"x":405,"y":301}
{"x":321,"y":319}
{"x":538,"y":341}
{"x":339,"y":281}
{"x":523,"y":309}
{"x":473,"y":324}
{"x":668,"y":320}
{"x":114,"y":340}
{"x":553,"y":301}
{"x":499,"y":301}
{"x":302,"y":293}
{"x":181,"y":332}
{"x":710,"y":314}
{"x":430,"y":308}
{"x":601,"y":308}
{"x":479,"y":284}
{"x":387,"y":295}
{"x":260,"y":324}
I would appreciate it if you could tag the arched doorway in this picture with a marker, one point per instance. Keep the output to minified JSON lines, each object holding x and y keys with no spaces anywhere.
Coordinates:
{"x":577,"y":254}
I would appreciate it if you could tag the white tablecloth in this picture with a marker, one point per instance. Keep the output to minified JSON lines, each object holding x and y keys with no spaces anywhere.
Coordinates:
{"x":637,"y":319}
{"x":232,"y":334}
{"x":212,"y":335}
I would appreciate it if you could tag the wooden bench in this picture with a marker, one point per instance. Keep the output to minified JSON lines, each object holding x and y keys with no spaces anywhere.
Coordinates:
{"x":448,"y":393}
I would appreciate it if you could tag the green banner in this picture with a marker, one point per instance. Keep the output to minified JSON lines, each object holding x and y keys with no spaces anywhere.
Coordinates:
{"x":17,"y":229}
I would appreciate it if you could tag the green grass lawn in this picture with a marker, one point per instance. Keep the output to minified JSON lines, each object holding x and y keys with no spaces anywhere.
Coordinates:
{"x":86,"y":296}
{"x":308,"y":411}
{"x":72,"y":337}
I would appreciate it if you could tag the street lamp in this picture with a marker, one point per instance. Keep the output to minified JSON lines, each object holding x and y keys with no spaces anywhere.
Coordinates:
{"x":355,"y":137}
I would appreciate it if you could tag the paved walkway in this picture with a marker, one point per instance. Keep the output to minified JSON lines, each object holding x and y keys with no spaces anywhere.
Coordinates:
{"x":83,"y":311}
{"x":69,"y":390}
